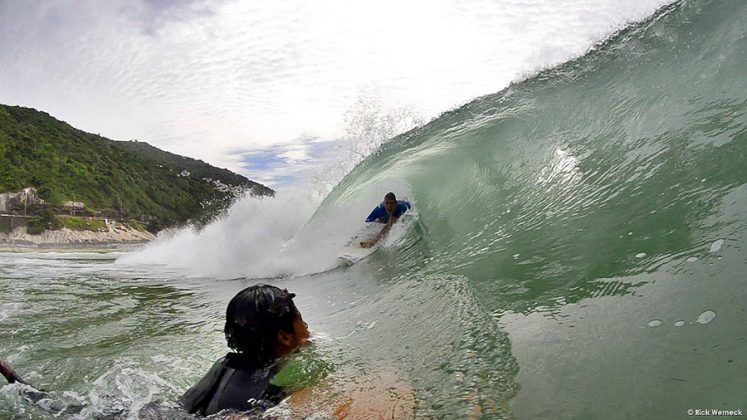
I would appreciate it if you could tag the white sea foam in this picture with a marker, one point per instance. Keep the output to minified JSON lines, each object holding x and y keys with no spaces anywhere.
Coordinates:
{"x":267,"y":237}
{"x":276,"y":236}
{"x":251,"y":240}
{"x":706,"y":317}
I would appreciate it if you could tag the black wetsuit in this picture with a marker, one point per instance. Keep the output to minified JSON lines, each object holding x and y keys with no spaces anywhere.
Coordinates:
{"x":233,"y":384}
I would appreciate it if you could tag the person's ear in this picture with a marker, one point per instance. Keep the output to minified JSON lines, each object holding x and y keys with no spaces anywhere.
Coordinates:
{"x":286,"y":338}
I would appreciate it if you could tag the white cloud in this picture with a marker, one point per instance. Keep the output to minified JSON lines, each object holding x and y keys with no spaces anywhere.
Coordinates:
{"x":210,"y":78}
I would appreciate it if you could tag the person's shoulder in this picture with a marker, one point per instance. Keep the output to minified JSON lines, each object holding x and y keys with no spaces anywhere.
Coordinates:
{"x":197,"y":398}
{"x":219,"y":364}
{"x":376,"y":213}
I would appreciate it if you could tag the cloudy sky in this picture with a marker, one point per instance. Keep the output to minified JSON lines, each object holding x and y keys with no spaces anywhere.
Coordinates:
{"x":263,"y":87}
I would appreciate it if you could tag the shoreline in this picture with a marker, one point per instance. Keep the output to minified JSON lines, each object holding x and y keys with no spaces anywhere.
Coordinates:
{"x":93,"y":247}
{"x":67,"y":240}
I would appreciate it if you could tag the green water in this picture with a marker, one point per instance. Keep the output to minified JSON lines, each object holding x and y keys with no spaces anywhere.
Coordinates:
{"x":595,"y":199}
{"x":579,"y":253}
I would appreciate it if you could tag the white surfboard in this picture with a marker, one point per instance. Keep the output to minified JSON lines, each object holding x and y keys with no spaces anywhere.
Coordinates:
{"x":353,"y":252}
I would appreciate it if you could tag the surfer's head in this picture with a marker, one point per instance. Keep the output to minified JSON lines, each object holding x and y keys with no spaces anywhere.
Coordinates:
{"x":263,"y":323}
{"x":390,"y":202}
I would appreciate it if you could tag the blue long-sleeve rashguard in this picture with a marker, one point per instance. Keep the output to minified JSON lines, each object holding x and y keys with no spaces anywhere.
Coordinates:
{"x":380,"y":215}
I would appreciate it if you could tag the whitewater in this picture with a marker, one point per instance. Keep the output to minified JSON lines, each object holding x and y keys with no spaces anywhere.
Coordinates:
{"x":578,"y":251}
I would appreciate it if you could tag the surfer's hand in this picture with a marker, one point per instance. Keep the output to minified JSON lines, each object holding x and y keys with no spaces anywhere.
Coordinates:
{"x":365,"y":244}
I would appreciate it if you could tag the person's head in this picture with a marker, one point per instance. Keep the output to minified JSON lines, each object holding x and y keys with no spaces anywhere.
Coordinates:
{"x":390,"y":202}
{"x":263,"y":323}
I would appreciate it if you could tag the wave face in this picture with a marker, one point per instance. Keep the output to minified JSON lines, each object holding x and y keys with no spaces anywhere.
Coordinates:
{"x":579,"y":242}
{"x":564,"y":178}
{"x":616,"y":178}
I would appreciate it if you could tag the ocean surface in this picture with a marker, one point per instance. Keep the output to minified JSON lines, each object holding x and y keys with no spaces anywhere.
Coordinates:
{"x":578,"y":251}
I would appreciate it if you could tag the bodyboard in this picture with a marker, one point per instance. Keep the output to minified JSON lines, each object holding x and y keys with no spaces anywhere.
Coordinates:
{"x":353,"y":252}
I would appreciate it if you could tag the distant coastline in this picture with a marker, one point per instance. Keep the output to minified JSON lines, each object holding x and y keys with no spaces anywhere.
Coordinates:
{"x":68,"y":238}
{"x":49,"y":170}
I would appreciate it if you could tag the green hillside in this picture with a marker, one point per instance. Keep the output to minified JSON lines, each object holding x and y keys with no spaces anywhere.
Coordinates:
{"x":197,"y":168}
{"x":118,"y":179}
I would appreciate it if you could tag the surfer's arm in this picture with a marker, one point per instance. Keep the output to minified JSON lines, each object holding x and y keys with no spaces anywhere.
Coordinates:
{"x":384,"y":231}
{"x":8,"y":373}
{"x":381,"y":395}
{"x":29,"y":392}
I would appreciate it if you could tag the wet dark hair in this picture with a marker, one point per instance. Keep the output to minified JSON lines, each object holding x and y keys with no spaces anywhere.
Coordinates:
{"x":390,"y":196}
{"x":253,"y":319}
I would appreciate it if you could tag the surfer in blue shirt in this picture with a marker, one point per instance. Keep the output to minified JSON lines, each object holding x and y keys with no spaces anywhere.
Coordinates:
{"x":387,"y":213}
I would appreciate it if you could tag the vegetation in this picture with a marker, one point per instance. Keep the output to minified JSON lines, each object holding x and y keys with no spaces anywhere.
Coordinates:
{"x":81,"y":223}
{"x":196,"y":168}
{"x":125,"y":180}
{"x":137,"y":225}
{"x":47,"y":221}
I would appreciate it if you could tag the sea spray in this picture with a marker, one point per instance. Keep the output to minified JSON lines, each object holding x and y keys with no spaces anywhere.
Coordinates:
{"x":264,"y":237}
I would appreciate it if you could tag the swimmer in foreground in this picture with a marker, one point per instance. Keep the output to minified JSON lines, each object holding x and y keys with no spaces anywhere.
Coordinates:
{"x":262,"y":325}
{"x":387,"y":213}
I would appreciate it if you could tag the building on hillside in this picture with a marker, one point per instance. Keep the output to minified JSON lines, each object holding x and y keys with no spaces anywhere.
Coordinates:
{"x":10,"y":202}
{"x":74,"y":205}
